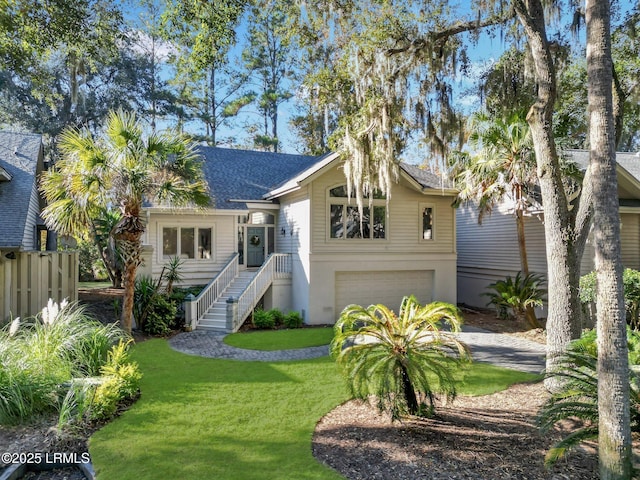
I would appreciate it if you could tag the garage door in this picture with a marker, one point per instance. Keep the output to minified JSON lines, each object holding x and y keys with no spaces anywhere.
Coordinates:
{"x":388,"y":288}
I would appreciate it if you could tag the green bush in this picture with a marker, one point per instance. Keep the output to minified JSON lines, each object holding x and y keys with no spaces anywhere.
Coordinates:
{"x":292,"y":320}
{"x":277,"y":315}
{"x":161,"y":316}
{"x":121,"y":383}
{"x":40,"y":357}
{"x":631,"y":287}
{"x":407,"y":358}
{"x":90,"y":265}
{"x":155,"y":313}
{"x":263,"y":319}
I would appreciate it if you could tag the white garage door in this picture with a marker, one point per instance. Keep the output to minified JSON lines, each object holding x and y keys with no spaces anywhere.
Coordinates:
{"x":388,"y":288}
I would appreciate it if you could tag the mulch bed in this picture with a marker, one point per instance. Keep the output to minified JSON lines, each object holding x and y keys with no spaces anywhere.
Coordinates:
{"x":480,"y":438}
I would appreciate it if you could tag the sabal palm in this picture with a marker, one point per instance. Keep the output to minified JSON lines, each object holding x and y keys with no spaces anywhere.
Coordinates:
{"x":502,"y":165}
{"x":122,"y":168}
{"x":399,"y":358}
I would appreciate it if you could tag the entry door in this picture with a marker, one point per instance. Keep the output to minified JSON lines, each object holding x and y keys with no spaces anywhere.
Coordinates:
{"x":255,"y":246}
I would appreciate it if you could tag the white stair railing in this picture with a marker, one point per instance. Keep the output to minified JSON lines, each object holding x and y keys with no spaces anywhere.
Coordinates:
{"x":208,"y":296}
{"x":278,"y":265}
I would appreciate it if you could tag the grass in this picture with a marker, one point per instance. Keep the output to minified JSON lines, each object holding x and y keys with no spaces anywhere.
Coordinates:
{"x":94,"y":284}
{"x":202,"y":418}
{"x":281,"y":339}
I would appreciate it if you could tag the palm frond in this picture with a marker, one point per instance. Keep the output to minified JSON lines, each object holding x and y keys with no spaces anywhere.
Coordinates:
{"x":377,"y":349}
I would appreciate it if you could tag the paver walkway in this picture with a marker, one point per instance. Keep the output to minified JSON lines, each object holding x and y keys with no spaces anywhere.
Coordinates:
{"x":495,"y":348}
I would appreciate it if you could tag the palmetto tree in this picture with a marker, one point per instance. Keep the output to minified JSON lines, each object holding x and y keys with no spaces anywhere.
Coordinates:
{"x":399,"y":358}
{"x":502,"y":165}
{"x":121,"y":169}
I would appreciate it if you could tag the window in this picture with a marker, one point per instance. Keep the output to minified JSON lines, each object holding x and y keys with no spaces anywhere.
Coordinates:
{"x":191,"y":242}
{"x":347,"y":222}
{"x":427,"y":222}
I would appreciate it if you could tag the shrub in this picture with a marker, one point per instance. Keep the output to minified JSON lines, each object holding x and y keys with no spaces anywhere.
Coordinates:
{"x":161,"y":316}
{"x":121,"y":383}
{"x":263,"y":319}
{"x":90,"y":264}
{"x":277,"y":315}
{"x":631,"y":287}
{"x":292,"y":320}
{"x":403,"y":360}
{"x":578,"y":394}
{"x":39,"y":357}
{"x":155,"y":314}
{"x":513,"y":296}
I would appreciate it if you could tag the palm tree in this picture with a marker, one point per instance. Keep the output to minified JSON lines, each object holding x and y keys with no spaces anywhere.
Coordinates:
{"x":122,"y":168}
{"x":503,"y":165}
{"x":399,"y":358}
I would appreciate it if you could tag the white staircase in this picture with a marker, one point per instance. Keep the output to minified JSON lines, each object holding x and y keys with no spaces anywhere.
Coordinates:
{"x":215,"y":318}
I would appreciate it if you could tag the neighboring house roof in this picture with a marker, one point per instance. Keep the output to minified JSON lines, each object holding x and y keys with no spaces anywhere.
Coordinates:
{"x":19,"y":163}
{"x":628,"y":168}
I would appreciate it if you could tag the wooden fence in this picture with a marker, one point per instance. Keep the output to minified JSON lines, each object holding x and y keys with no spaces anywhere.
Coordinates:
{"x":32,"y":278}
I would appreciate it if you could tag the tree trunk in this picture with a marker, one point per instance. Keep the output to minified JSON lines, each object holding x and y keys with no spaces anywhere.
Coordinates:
{"x":530,"y":314}
{"x":563,"y":254}
{"x":614,"y":434}
{"x":409,"y":392}
{"x":129,"y":232}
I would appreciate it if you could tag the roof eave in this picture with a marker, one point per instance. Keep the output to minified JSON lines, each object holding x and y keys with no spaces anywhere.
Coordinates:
{"x":305,"y":177}
{"x":4,"y":175}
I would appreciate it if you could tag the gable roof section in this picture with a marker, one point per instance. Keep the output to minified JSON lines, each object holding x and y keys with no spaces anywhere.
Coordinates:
{"x":19,"y":160}
{"x":237,"y":177}
{"x":421,"y":178}
{"x":248,"y":175}
{"x":627,"y":167}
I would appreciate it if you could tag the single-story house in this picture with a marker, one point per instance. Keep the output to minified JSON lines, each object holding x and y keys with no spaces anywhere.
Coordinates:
{"x":294,"y":211}
{"x":29,"y":275}
{"x":489,"y":251}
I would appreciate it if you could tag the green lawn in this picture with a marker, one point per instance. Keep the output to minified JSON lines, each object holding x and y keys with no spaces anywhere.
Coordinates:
{"x":91,"y":285}
{"x":202,"y":418}
{"x":281,"y":339}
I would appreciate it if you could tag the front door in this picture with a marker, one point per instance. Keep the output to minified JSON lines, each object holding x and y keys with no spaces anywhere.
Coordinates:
{"x":255,"y":246}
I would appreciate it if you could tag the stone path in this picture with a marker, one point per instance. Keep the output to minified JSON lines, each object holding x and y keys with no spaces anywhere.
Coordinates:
{"x":495,"y":348}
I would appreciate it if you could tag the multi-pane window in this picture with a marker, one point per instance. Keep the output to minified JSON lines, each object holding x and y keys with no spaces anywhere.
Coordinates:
{"x":186,"y":242}
{"x":346,"y":221}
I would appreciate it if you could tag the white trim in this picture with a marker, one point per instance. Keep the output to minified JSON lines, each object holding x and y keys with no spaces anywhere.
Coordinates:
{"x":434,"y":216}
{"x":184,"y":224}
{"x":346,"y":203}
{"x":303,"y":178}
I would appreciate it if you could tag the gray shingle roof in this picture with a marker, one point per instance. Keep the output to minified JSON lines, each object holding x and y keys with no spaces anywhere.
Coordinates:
{"x":19,"y":155}
{"x":630,"y":161}
{"x":248,"y":175}
{"x":426,"y":178}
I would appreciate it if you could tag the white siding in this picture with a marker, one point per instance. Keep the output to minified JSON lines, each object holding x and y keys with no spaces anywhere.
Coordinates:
{"x":318,"y":258}
{"x":295,"y":217}
{"x":195,"y":272}
{"x":489,"y":252}
{"x":630,"y":240}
